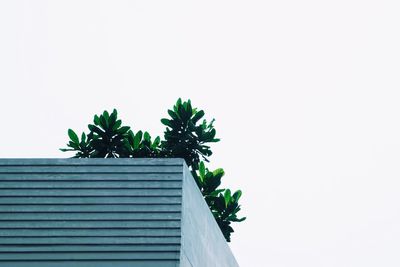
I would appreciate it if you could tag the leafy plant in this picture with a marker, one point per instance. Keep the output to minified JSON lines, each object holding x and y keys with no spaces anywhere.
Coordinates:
{"x":108,"y":136}
{"x":185,"y":137}
{"x":82,"y":148}
{"x":223,"y":205}
{"x":141,"y":146}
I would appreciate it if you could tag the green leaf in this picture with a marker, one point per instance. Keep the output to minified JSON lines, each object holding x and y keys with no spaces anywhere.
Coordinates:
{"x":103,"y":122}
{"x":96,"y":120}
{"x":95,"y":129}
{"x":156,"y":142}
{"x":227,"y":197}
{"x":146,"y":136}
{"x":202,"y":170}
{"x":240,"y":220}
{"x":172,"y":114}
{"x":166,"y":122}
{"x":216,"y":192}
{"x":197,"y":116}
{"x":83,"y":138}
{"x":112,"y":119}
{"x":106,"y":115}
{"x":131,"y":137}
{"x":72,"y":135}
{"x":137,"y":139}
{"x":219,"y":172}
{"x":123,"y":129}
{"x":73,"y":145}
{"x":117,"y":125}
{"x":237,"y":195}
{"x":66,"y":149}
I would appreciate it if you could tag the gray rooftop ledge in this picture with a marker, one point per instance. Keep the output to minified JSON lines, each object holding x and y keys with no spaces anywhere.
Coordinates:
{"x":106,"y":212}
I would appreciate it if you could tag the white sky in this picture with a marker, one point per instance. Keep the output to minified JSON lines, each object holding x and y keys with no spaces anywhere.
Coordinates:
{"x":305,"y":96}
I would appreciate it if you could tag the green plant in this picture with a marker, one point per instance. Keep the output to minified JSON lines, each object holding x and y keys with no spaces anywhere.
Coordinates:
{"x":185,"y":137}
{"x":108,"y":137}
{"x":82,"y":148}
{"x":223,"y":205}
{"x":141,"y":146}
{"x":225,"y":208}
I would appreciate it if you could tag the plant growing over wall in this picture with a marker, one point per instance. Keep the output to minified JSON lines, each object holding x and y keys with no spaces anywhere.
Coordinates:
{"x":186,"y":136}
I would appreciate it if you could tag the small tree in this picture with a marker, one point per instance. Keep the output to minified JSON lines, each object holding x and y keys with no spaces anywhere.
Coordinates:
{"x":186,"y":136}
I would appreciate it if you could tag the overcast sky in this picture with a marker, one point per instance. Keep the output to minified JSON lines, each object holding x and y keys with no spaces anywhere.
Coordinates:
{"x":305,"y":95}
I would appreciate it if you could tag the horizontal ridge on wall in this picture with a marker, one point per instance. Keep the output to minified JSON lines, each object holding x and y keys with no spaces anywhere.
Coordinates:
{"x":90,"y":211}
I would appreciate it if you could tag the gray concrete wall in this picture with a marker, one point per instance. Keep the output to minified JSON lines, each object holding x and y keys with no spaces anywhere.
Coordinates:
{"x":90,"y":212}
{"x":105,"y":212}
{"x":202,"y":241}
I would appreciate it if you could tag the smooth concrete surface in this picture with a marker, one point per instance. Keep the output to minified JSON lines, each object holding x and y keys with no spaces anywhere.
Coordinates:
{"x":202,"y":241}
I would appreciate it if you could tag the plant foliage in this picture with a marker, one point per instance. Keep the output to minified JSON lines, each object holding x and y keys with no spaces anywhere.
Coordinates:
{"x":187,"y":135}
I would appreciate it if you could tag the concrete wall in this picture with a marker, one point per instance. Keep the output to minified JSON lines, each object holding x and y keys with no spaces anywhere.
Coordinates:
{"x":202,"y":241}
{"x":105,"y":212}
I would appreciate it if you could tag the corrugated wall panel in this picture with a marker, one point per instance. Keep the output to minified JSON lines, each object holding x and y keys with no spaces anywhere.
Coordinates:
{"x":90,"y":200}
{"x":91,"y":263}
{"x":90,"y":212}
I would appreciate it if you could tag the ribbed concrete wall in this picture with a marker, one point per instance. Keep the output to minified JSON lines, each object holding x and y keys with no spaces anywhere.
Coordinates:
{"x":105,"y":212}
